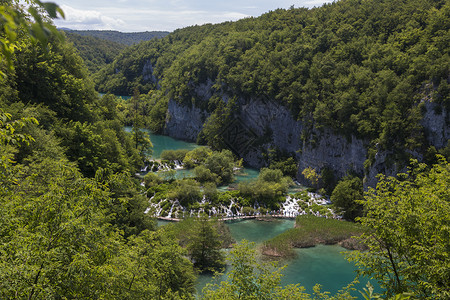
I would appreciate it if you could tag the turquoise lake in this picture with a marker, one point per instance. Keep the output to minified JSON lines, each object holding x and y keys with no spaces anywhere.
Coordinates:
{"x":322,"y":264}
{"x":163,"y":142}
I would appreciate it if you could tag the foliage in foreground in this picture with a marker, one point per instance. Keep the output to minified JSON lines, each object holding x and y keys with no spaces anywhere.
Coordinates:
{"x":409,"y":233}
{"x":251,"y":279}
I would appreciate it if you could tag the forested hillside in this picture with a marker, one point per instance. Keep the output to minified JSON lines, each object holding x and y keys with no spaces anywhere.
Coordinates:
{"x":125,"y":38}
{"x":96,"y":52}
{"x":73,"y":221}
{"x":363,"y":70}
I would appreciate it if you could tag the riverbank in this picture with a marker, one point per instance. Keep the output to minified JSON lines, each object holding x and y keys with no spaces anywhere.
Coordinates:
{"x":310,"y":231}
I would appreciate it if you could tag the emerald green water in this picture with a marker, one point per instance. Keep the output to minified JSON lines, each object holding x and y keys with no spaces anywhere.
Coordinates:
{"x":123,"y":97}
{"x":258,"y":231}
{"x":246,"y":174}
{"x":163,"y":142}
{"x":324,"y":265}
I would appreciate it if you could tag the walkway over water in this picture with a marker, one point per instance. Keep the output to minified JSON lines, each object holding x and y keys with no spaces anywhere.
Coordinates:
{"x":235,"y":218}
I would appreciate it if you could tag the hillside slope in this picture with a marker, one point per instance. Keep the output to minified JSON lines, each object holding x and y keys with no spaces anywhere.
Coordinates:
{"x":353,"y":86}
{"x":125,"y":38}
{"x":96,"y":52}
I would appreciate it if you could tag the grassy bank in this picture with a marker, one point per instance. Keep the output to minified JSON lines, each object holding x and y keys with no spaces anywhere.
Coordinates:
{"x":310,"y":231}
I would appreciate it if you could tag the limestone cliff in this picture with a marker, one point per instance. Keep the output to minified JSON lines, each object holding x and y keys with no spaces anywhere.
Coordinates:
{"x":184,"y":122}
{"x":259,"y":125}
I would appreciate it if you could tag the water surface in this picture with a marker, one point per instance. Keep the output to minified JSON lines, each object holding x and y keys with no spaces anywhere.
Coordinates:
{"x":164,"y":142}
{"x":258,"y":231}
{"x":324,"y":264}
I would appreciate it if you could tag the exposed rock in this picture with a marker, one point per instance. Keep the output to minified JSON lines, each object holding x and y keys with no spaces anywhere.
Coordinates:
{"x":184,"y":122}
{"x":435,"y":122}
{"x":147,"y":73}
{"x":334,"y":152}
{"x":263,"y":124}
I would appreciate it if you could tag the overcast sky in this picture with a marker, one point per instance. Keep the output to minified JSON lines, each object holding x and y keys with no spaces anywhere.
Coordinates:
{"x":165,"y":15}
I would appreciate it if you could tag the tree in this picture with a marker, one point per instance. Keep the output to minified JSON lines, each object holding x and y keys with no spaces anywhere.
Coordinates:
{"x":288,"y":166}
{"x":312,"y":176}
{"x":13,"y":19}
{"x":204,"y":245}
{"x":203,"y":174}
{"x":187,"y":191}
{"x":127,"y":205}
{"x":54,"y":240}
{"x":268,"y":189}
{"x":409,"y":233}
{"x":197,"y":156}
{"x":153,"y":266}
{"x":222,"y":164}
{"x":347,"y":196}
{"x":142,"y":142}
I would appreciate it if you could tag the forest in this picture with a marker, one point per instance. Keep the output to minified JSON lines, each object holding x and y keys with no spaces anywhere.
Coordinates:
{"x":96,"y":52}
{"x":359,"y":68}
{"x":124,"y":38}
{"x":72,"y":212}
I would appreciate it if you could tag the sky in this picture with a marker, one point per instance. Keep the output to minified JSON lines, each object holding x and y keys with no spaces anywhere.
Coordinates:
{"x":164,"y":15}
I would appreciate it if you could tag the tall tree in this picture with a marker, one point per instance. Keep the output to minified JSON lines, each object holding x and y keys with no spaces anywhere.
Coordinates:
{"x":409,"y":236}
{"x":204,"y":245}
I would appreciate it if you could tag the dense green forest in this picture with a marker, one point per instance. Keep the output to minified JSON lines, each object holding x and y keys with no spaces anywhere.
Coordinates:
{"x":124,"y":38}
{"x":96,"y":52}
{"x":72,"y":212}
{"x":360,"y":68}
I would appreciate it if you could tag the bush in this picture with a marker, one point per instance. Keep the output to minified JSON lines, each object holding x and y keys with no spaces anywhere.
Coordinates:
{"x":152,"y":179}
{"x":203,"y":174}
{"x":187,"y":191}
{"x":196,"y":156}
{"x":174,"y":155}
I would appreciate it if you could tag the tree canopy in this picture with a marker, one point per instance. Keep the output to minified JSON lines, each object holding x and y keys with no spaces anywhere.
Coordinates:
{"x":360,"y":68}
{"x":409,"y":236}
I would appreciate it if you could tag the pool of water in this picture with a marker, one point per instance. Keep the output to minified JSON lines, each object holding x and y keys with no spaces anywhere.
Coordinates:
{"x":324,"y":265}
{"x":246,"y":174}
{"x":123,"y":97}
{"x":163,"y":142}
{"x":258,"y":231}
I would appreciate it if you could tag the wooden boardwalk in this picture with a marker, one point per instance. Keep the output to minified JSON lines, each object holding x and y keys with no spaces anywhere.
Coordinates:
{"x":235,"y":218}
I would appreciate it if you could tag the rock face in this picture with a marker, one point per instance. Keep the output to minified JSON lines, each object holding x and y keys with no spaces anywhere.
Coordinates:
{"x":259,"y":125}
{"x":435,"y":123}
{"x":321,"y":149}
{"x":262,"y":125}
{"x":335,"y":152}
{"x":184,"y":122}
{"x":147,"y":73}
